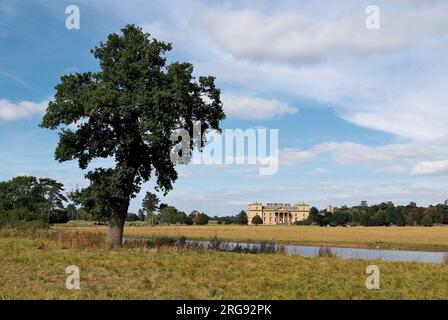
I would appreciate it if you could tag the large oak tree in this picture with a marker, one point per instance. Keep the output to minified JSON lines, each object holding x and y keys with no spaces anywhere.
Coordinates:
{"x":127,"y":112}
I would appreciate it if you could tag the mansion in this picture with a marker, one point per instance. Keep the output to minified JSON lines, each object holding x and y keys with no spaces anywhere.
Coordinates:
{"x":278,"y":213}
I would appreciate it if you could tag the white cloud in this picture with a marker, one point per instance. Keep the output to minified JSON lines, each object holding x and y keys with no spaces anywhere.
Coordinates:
{"x":10,"y":111}
{"x":393,"y":170}
{"x":417,"y":111}
{"x":438,"y":167}
{"x":390,"y":80}
{"x":253,"y":108}
{"x":349,"y":152}
{"x":289,"y":36}
{"x":318,"y":171}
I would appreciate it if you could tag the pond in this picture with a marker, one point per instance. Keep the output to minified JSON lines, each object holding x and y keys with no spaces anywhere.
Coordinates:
{"x":346,"y":253}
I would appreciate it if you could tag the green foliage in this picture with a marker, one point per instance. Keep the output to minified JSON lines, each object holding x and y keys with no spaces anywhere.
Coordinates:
{"x":89,"y":210}
{"x":29,"y":198}
{"x":150,"y":203}
{"x":241,"y":218}
{"x":86,"y":215}
{"x":132,"y":217}
{"x":383,"y":214}
{"x":257,"y":220}
{"x":379,"y":218}
{"x":20,"y":214}
{"x":366,"y":219}
{"x":128,"y":111}
{"x":426,"y":221}
{"x":314,"y":216}
{"x":170,"y":215}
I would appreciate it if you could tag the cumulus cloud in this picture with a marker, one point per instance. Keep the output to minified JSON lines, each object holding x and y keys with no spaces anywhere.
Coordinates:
{"x":437,"y":167}
{"x":10,"y":111}
{"x":290,"y":36}
{"x":253,"y":108}
{"x":391,"y":79}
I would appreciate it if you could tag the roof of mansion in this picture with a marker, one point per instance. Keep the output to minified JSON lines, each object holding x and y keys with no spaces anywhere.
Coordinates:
{"x":284,"y":206}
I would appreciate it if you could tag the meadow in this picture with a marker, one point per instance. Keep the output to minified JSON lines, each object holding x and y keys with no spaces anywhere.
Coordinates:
{"x":415,"y":238}
{"x":34,"y":268}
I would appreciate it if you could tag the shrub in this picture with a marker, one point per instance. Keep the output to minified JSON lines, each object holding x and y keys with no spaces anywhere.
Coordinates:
{"x":257,"y":220}
{"x":17,"y":216}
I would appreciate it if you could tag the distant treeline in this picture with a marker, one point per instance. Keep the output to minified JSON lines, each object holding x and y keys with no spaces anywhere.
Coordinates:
{"x":28,"y":198}
{"x":383,"y":214}
{"x":170,"y":215}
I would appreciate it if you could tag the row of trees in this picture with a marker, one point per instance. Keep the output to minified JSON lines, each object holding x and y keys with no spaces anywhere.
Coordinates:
{"x":30,"y":198}
{"x":382,"y":214}
{"x":240,"y":218}
{"x":154,"y":213}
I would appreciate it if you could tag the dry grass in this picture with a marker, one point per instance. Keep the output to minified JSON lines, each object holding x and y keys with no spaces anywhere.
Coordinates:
{"x":434,"y":238}
{"x":35,"y":269}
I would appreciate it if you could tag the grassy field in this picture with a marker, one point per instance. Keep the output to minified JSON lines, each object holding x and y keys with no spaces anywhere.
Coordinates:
{"x":418,"y":238}
{"x":35,"y":269}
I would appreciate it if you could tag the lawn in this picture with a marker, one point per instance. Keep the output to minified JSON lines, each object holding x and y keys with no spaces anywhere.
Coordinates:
{"x":417,"y":238}
{"x":35,"y":269}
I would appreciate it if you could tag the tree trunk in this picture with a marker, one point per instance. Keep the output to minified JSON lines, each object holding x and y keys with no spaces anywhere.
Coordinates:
{"x":115,"y":235}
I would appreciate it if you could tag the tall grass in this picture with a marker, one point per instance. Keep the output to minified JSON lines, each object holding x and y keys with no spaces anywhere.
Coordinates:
{"x":23,"y":228}
{"x":213,"y":244}
{"x":76,"y":240}
{"x":325,"y":252}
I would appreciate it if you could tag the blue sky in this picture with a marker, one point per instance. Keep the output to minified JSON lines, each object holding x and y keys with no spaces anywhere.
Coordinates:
{"x":360,"y":113}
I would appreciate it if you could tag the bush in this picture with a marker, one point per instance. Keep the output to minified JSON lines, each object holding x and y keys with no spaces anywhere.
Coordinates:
{"x":12,"y":217}
{"x":257,"y":220}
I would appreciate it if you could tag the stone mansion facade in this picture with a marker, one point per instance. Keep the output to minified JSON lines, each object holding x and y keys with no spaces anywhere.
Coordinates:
{"x":278,"y":213}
